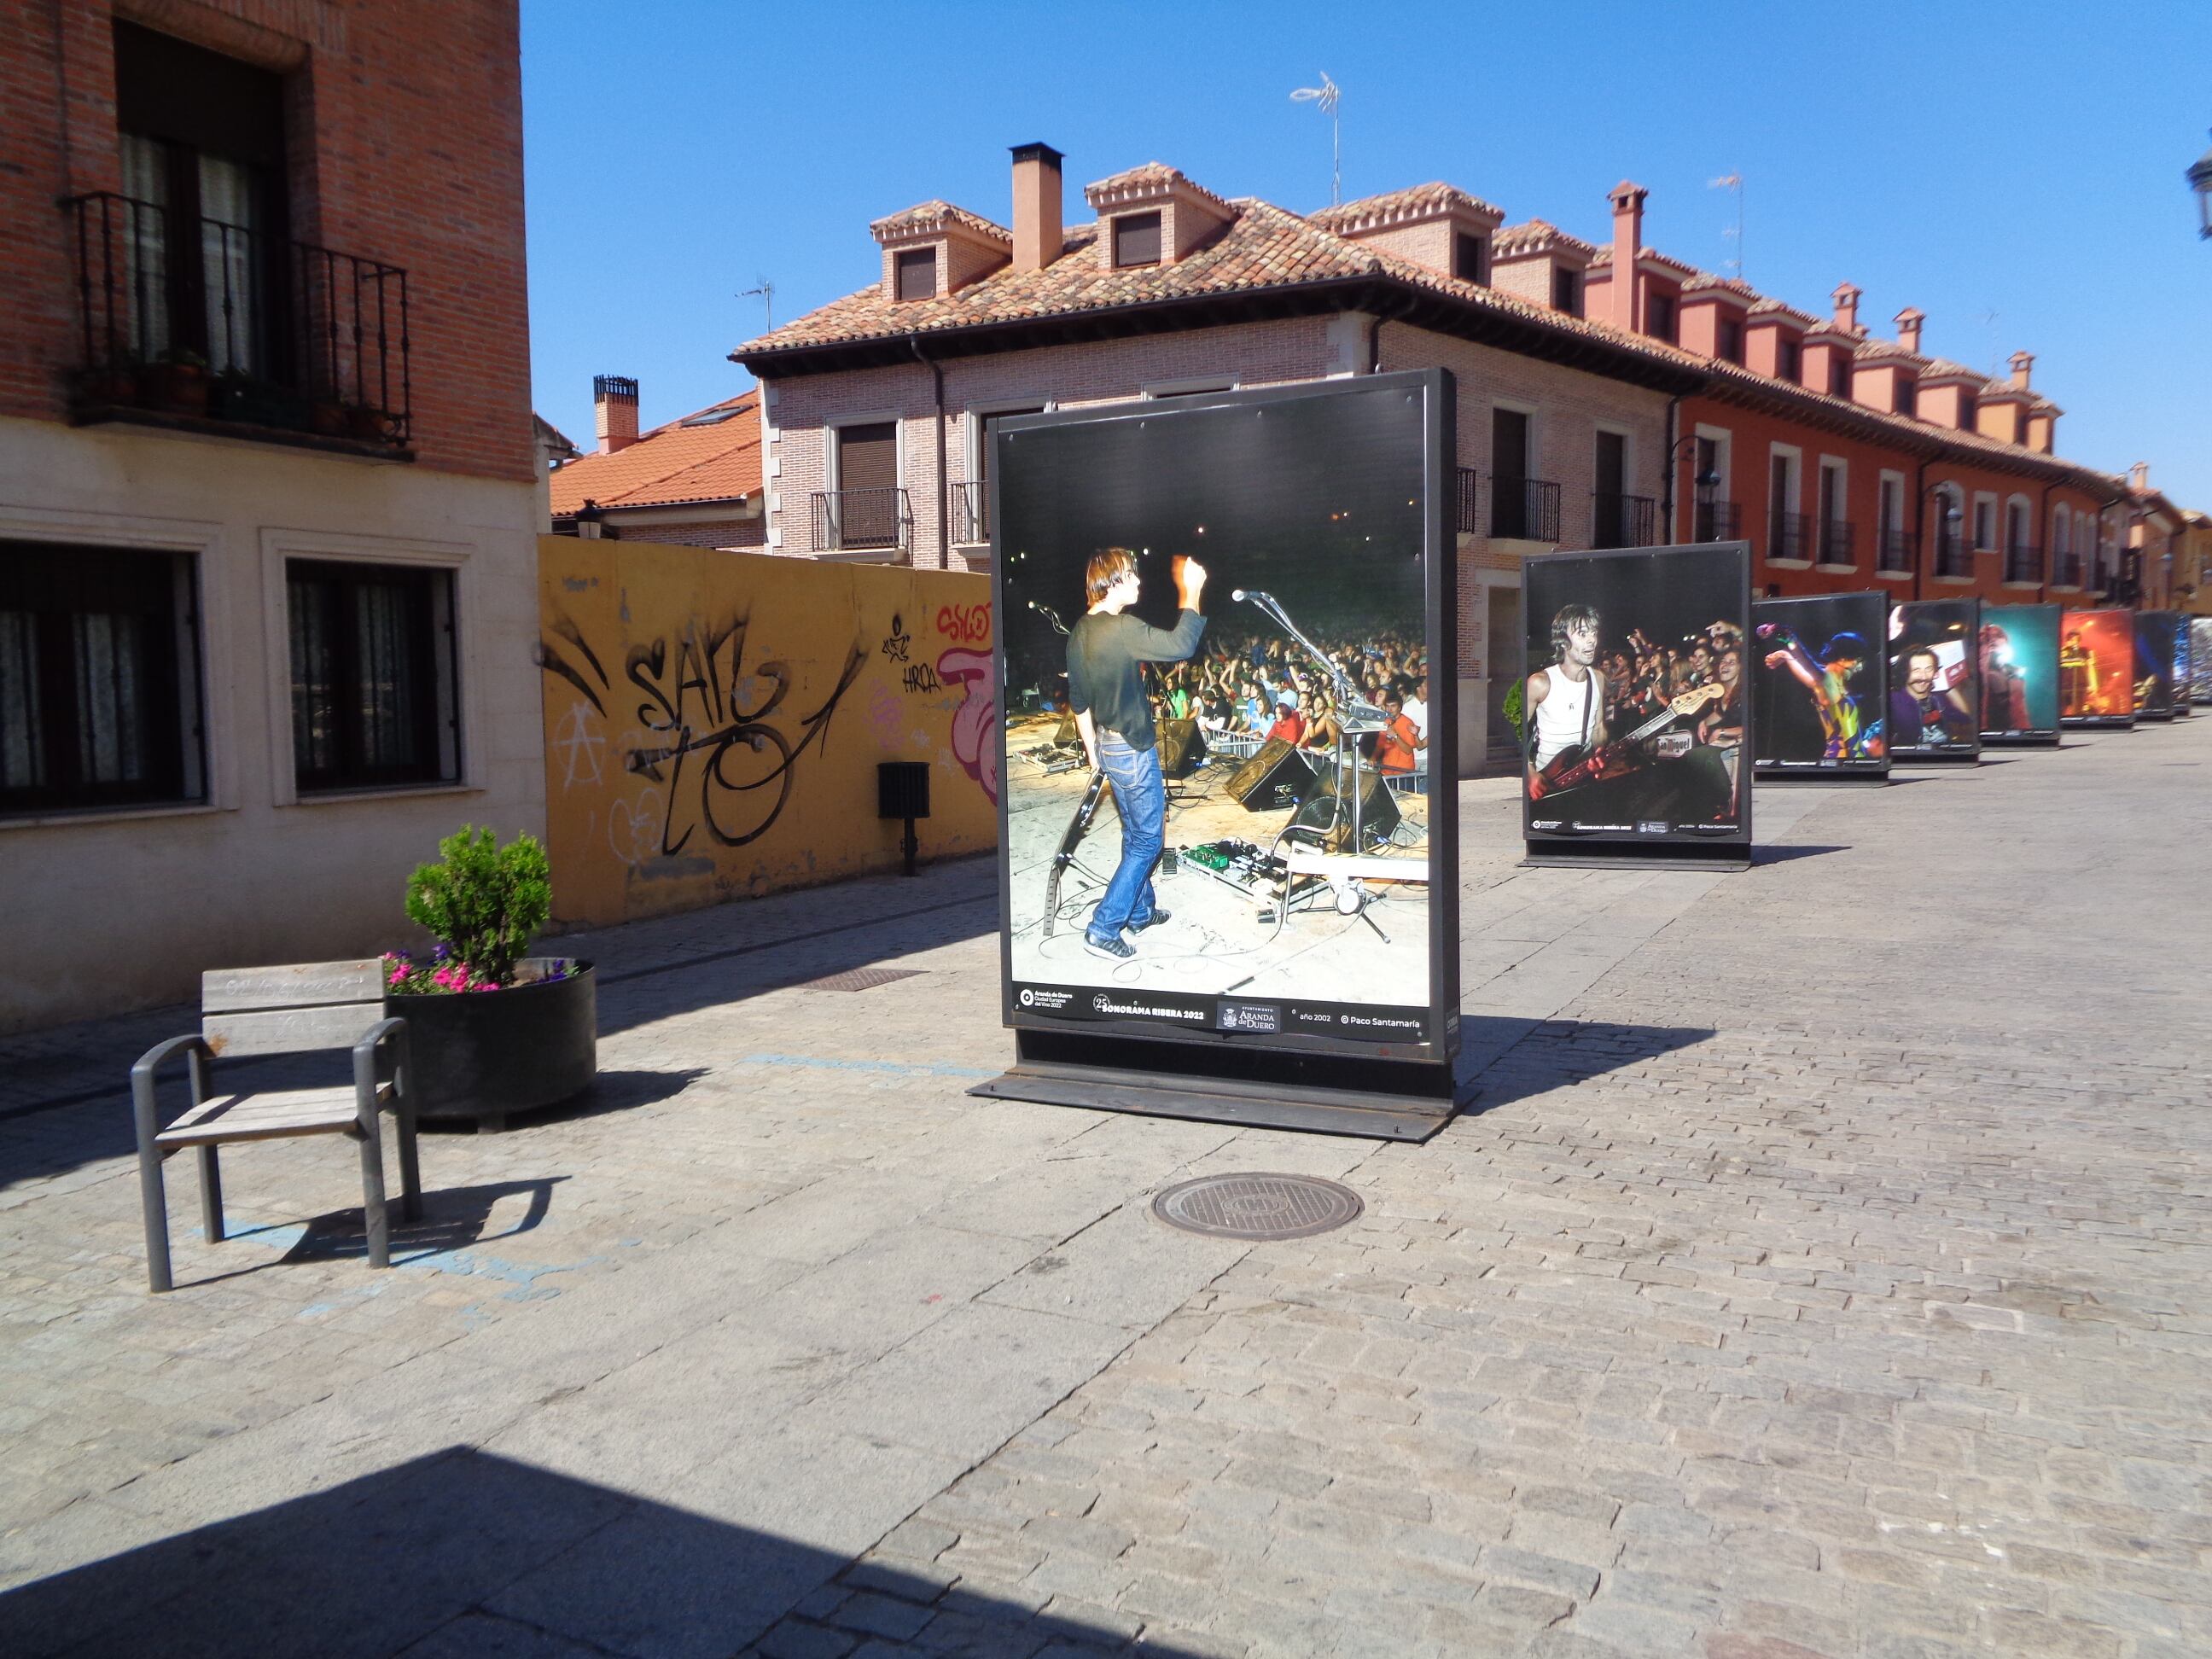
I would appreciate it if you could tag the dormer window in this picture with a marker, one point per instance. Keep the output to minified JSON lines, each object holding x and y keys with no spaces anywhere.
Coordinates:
{"x":1901,"y":396}
{"x":1567,"y":290}
{"x":1969,"y":411}
{"x":1789,"y":359}
{"x":1136,"y":240}
{"x":917,"y":273}
{"x":1470,"y":257}
{"x":1731,"y":340}
{"x":1839,"y":375}
{"x":1659,"y":319}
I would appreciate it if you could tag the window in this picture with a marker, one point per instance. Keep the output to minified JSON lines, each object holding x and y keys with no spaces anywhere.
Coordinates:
{"x":1731,"y":340}
{"x":1789,"y":359}
{"x":917,"y":273}
{"x":1969,"y":407}
{"x":99,"y":678}
{"x":1985,"y":522}
{"x":1659,"y":318}
{"x":1839,"y":373}
{"x":2020,"y":425}
{"x":201,"y":140}
{"x":1470,"y":257}
{"x":1890,"y":509}
{"x":1567,"y":291}
{"x":1137,"y":239}
{"x":372,"y":675}
{"x":1902,"y":395}
{"x":1786,"y":532}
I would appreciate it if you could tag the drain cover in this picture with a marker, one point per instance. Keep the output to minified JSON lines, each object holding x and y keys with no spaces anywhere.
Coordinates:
{"x":859,"y":979}
{"x":1258,"y":1205}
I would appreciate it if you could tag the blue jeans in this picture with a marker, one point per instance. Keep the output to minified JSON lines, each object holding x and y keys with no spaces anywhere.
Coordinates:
{"x":1140,"y":796}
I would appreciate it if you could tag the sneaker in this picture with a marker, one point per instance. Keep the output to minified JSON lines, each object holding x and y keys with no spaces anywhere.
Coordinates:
{"x":1117,"y":949}
{"x":1152,"y":920}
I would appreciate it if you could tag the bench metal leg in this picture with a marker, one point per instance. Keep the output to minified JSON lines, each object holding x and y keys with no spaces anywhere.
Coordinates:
{"x":153,"y":1200}
{"x":410,"y":1167}
{"x":211,"y":1196}
{"x":372,"y":1196}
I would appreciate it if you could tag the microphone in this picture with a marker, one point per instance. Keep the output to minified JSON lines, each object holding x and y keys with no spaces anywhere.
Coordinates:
{"x":1248,"y":593}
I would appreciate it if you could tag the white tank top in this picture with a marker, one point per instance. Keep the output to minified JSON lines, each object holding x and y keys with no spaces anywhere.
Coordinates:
{"x":1563,"y":718}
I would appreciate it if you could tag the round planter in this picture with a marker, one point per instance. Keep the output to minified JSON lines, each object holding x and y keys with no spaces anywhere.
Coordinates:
{"x":482,"y":1056}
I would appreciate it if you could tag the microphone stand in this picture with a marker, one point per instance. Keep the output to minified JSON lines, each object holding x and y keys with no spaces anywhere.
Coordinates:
{"x":1347,"y":700}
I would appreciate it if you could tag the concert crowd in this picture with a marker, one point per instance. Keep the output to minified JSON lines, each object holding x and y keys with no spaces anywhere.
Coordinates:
{"x":1643,"y":676}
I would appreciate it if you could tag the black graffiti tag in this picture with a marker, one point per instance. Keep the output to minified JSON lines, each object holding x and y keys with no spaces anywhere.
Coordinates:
{"x":897,"y":640}
{"x":920,"y":677}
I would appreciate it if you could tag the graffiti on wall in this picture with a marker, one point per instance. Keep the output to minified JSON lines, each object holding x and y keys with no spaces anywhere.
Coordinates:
{"x":712,"y":721}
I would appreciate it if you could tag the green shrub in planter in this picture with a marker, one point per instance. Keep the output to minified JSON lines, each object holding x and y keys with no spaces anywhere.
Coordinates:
{"x":484,"y":903}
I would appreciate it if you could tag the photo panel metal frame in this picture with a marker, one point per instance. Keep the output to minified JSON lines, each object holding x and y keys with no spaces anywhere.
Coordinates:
{"x":1872,"y":628}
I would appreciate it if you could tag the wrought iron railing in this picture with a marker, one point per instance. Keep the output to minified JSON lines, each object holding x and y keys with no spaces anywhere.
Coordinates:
{"x":1618,"y":520}
{"x":1839,"y":542}
{"x":859,"y":521}
{"x":2066,"y":570}
{"x":1524,"y":509}
{"x":2023,"y":562}
{"x":1788,"y":535}
{"x":1467,"y":517}
{"x":1900,"y":551}
{"x":201,"y":318}
{"x":1716,"y":522}
{"x":971,"y":512}
{"x":1952,"y":557}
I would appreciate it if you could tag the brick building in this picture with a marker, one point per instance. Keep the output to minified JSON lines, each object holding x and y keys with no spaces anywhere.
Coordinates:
{"x":267,"y":480}
{"x":694,"y":481}
{"x":876,"y":409}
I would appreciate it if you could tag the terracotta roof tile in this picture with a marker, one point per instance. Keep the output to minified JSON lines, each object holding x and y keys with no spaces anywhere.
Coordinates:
{"x":1769,"y":307}
{"x":1399,"y":206}
{"x":924,"y":217}
{"x":672,"y":465}
{"x":1534,"y":235}
{"x":1143,"y":182}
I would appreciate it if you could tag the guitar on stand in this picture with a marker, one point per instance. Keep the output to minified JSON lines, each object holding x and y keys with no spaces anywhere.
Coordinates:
{"x":1078,"y":826}
{"x":1579,"y":764}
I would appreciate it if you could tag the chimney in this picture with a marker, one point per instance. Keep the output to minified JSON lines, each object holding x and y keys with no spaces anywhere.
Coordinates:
{"x":1847,"y":307}
{"x":1908,"y":328}
{"x":2023,"y":366}
{"x":2139,"y":478}
{"x":1627,"y":201}
{"x":614,"y":411}
{"x":1037,"y":238}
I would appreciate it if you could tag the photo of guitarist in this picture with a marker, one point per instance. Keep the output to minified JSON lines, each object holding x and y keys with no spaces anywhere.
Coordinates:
{"x":1596,"y":779}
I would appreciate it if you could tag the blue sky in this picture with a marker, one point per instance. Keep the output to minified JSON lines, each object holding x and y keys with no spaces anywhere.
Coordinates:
{"x":2013,"y":170}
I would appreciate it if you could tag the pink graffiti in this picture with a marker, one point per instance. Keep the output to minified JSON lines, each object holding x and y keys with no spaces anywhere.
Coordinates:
{"x":975,"y":722}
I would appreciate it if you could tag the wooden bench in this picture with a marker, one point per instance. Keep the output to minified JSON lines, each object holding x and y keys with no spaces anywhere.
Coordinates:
{"x":280,"y":1010}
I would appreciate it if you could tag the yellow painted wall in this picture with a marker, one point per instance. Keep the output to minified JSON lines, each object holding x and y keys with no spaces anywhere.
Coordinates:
{"x":713,"y":720}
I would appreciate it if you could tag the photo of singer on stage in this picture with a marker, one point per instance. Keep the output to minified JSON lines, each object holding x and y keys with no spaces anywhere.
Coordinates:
{"x":1220,"y":723}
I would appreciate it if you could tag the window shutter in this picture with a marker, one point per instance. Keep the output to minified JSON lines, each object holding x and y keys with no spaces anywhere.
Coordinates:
{"x":917,"y":273}
{"x":867,"y":456}
{"x":1137,"y":239}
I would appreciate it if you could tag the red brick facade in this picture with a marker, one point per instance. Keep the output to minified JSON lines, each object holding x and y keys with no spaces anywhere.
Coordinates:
{"x":404,"y":133}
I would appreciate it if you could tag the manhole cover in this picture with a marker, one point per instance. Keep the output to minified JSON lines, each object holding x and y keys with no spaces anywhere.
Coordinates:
{"x":859,"y":979}
{"x":1258,"y":1205}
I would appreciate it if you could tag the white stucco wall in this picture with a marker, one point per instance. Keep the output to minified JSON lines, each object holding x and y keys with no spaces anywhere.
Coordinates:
{"x":101,"y":912}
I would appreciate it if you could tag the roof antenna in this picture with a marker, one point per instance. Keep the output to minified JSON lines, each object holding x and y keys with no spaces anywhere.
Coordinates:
{"x":1326,"y":95}
{"x":767,"y":293}
{"x":1733,"y":181}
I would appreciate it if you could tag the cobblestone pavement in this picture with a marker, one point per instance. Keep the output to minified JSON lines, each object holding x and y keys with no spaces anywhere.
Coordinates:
{"x":1822,"y":1270}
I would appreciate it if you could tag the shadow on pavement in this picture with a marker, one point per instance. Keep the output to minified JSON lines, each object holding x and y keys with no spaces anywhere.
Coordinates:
{"x":1556,"y":1053}
{"x":466,"y":1553}
{"x":1784,"y":852}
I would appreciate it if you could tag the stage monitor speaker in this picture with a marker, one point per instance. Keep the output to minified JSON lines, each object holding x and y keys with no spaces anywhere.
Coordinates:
{"x":1182,"y":745}
{"x":1276,"y":777}
{"x":1328,"y":808}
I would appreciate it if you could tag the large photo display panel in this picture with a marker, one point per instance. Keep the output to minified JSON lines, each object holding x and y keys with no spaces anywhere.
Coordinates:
{"x":1820,"y":686}
{"x":2183,"y":668}
{"x":1934,"y":680}
{"x":1228,"y":708}
{"x":2155,"y":655}
{"x":2096,"y":668}
{"x":1634,"y":706}
{"x":2200,"y":661}
{"x":2020,"y":673}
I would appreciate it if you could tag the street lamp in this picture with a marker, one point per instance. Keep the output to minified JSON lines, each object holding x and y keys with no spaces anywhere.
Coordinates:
{"x":2200,"y":180}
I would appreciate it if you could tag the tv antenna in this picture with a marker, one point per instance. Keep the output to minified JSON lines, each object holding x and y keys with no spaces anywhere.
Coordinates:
{"x":1325,"y":97}
{"x":1733,"y":181}
{"x":766,"y":292}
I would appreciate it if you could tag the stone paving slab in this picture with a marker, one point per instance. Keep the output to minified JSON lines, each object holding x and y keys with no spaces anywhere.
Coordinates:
{"x":1822,"y":1272}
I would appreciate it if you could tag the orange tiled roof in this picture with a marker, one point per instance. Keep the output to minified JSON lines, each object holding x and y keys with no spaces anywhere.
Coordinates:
{"x":675,"y":464}
{"x":1771,"y":308}
{"x":1533,"y":236}
{"x":1398,"y":206}
{"x":924,"y":217}
{"x":1144,"y":181}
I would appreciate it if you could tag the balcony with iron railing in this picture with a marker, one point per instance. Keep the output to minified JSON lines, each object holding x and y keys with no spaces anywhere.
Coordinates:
{"x":1524,"y":509}
{"x":863,"y":521}
{"x":971,"y":512}
{"x":1839,"y":543}
{"x":1788,"y":535}
{"x":1900,"y":550}
{"x":2066,"y":570}
{"x":1467,"y":509}
{"x":1953,"y":556}
{"x":1618,"y":520}
{"x":1716,"y":522}
{"x":2023,"y":562}
{"x":200,"y":325}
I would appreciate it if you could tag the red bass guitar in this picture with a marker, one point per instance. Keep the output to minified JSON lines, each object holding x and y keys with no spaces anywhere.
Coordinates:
{"x":1572,"y":768}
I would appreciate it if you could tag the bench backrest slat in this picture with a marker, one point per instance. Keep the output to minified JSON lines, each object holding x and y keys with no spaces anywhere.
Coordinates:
{"x":287,"y":1010}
